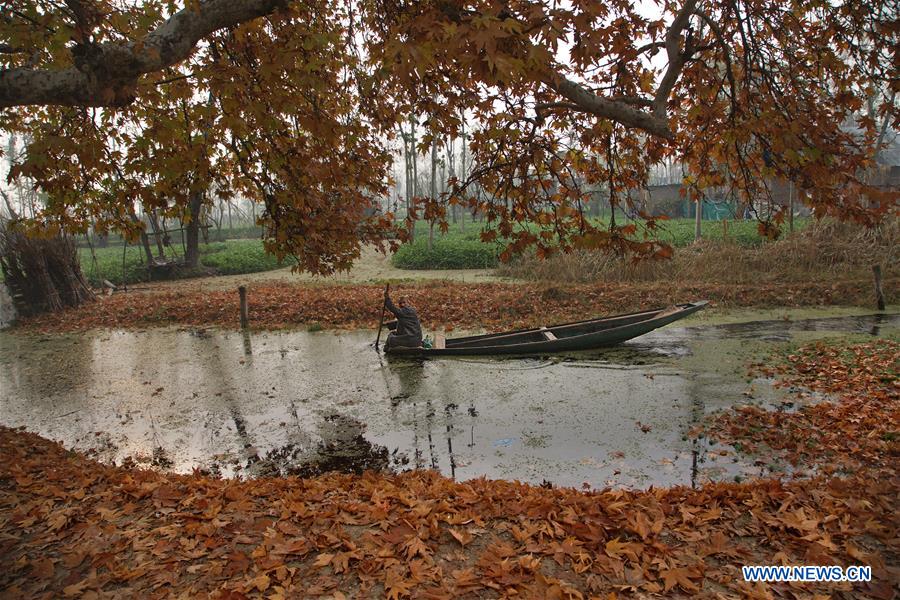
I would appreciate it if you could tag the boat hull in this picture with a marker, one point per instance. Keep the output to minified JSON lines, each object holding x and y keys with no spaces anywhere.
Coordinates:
{"x":567,"y":337}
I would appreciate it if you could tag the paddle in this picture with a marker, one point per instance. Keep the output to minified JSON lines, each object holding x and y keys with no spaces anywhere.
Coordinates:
{"x":381,"y":322}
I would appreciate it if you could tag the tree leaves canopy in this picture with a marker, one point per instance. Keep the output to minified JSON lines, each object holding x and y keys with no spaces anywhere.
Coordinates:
{"x":296,"y":105}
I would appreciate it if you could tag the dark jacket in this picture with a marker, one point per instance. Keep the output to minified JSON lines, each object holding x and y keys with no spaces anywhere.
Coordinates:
{"x":407,"y":320}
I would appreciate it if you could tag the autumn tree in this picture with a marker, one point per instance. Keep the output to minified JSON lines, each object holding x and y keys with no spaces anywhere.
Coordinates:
{"x":573,"y":95}
{"x":296,"y":105}
{"x":268,"y":110}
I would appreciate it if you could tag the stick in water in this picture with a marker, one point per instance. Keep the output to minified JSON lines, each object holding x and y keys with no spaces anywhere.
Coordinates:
{"x":381,"y":322}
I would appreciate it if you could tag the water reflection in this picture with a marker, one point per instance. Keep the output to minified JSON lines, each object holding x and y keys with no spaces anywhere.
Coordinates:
{"x":39,"y":366}
{"x":302,"y":403}
{"x":341,"y":447}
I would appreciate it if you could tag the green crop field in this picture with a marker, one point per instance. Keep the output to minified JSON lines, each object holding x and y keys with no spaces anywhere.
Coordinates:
{"x":464,"y":249}
{"x":227,"y":258}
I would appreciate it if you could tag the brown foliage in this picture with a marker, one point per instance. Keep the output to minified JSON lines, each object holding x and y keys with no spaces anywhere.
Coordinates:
{"x":439,"y":304}
{"x":858,"y":429}
{"x":825,"y":249}
{"x":71,"y":527}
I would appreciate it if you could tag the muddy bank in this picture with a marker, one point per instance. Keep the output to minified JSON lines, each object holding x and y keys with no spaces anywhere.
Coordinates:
{"x":302,"y":403}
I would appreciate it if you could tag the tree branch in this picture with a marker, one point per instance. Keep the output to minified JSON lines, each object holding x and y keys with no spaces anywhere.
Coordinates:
{"x":106,"y":74}
{"x":616,"y":110}
{"x":726,"y":55}
{"x":676,"y":57}
{"x":555,"y":105}
{"x":620,"y":109}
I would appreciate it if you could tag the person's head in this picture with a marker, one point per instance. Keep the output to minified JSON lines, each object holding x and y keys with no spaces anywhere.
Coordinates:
{"x":403,"y":302}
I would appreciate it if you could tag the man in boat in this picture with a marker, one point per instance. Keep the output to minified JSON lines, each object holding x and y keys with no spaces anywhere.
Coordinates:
{"x":407,"y":332}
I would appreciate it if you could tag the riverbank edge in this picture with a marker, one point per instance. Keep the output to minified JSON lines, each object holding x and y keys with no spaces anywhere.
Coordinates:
{"x":72,"y":526}
{"x":452,"y":307}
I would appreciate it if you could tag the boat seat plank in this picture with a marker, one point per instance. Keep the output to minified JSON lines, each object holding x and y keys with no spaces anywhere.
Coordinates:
{"x":440,"y":341}
{"x":669,"y":311}
{"x":548,"y":335}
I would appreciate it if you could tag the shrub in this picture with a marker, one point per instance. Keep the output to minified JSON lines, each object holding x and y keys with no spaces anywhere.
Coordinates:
{"x":446,"y":253}
{"x":236,"y":257}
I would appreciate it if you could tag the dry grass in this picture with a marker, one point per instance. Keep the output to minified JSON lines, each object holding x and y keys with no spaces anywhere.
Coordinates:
{"x":824,"y":250}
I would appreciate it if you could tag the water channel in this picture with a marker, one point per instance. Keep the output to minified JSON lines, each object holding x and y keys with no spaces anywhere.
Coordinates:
{"x":277,"y":403}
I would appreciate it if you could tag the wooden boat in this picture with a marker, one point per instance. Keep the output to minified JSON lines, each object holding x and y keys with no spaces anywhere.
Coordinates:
{"x":580,"y":335}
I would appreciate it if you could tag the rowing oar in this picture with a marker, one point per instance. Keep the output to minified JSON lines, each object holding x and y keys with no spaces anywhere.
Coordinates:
{"x":381,"y":322}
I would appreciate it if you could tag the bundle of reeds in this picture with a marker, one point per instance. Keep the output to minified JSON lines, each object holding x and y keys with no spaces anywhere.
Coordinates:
{"x":42,"y":274}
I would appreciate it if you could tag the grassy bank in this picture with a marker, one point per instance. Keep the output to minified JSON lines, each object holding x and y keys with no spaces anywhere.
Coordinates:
{"x":822,"y":251}
{"x":225,"y":258}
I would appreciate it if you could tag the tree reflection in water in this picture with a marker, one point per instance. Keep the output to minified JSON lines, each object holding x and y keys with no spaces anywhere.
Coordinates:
{"x":342,"y":447}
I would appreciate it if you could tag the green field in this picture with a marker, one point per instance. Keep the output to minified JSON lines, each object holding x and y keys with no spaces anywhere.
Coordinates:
{"x":227,"y":258}
{"x":464,"y":250}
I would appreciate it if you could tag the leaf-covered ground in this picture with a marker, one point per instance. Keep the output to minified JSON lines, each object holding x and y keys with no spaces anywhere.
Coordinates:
{"x":71,"y":527}
{"x":75,"y":528}
{"x":440,"y":304}
{"x":859,"y":429}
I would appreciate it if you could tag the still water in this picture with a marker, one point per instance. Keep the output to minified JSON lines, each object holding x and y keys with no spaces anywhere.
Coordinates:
{"x":279,"y":403}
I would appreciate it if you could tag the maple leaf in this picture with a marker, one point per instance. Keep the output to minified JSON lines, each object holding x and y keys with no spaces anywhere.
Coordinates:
{"x":341,"y":561}
{"x":323,"y":560}
{"x":614,"y":548}
{"x":261,"y":582}
{"x":76,"y":589}
{"x":718,"y":544}
{"x":42,"y":568}
{"x":463,"y":537}
{"x":415,"y":546}
{"x":680,"y":576}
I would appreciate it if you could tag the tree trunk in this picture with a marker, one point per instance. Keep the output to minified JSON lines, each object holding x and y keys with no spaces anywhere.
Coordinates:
{"x":145,"y":241}
{"x":879,"y":292}
{"x":462,"y":167}
{"x":415,"y":154}
{"x":791,"y":207}
{"x":192,"y":231}
{"x":154,"y":224}
{"x":451,"y":172}
{"x":697,"y":218}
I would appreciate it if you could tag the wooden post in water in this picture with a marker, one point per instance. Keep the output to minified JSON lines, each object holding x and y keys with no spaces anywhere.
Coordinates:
{"x":245,"y":313}
{"x":879,"y":293}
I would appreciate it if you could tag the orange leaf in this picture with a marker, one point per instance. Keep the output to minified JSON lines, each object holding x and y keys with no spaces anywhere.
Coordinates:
{"x":42,"y":568}
{"x":323,"y":560}
{"x":261,"y":583}
{"x":463,"y":537}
